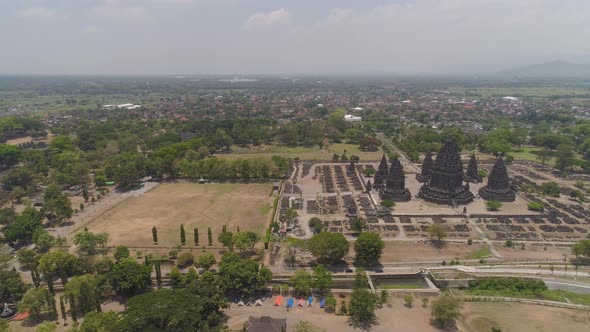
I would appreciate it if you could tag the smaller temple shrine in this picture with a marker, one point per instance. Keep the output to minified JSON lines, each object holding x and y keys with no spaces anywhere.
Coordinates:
{"x":350,"y":170}
{"x":498,"y":187}
{"x":369,"y":186}
{"x":395,"y":184}
{"x":381,"y":174}
{"x":472,"y":173}
{"x":424,"y":175}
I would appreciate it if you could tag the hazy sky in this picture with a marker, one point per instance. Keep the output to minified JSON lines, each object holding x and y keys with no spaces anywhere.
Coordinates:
{"x":286,"y":36}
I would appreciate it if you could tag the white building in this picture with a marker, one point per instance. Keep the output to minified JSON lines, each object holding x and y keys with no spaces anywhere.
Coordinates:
{"x":352,"y":118}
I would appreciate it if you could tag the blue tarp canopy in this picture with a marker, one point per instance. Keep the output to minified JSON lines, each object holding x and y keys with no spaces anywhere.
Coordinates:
{"x":290,"y":303}
{"x":322,"y":303}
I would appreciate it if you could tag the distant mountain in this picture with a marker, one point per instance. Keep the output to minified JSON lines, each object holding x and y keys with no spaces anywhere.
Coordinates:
{"x":558,"y":69}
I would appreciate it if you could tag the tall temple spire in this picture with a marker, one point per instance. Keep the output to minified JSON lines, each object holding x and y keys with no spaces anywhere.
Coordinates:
{"x":381,"y":174}
{"x":472,"y":174}
{"x":424,"y":175}
{"x":395,"y":184}
{"x":498,"y":187}
{"x":446,"y":178}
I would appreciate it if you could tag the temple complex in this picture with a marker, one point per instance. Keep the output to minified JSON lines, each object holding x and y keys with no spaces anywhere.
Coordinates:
{"x":446,"y":179}
{"x":472,"y":173}
{"x":381,"y":174}
{"x":395,"y":184}
{"x":498,"y":187}
{"x":424,"y":175}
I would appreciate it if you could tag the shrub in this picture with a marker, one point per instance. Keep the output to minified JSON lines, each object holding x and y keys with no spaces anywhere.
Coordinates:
{"x":493,"y":205}
{"x":173,"y":254}
{"x":388,"y":203}
{"x":551,"y":189}
{"x":185,"y":259}
{"x":409,"y":299}
{"x":121,"y":252}
{"x":535,"y":206}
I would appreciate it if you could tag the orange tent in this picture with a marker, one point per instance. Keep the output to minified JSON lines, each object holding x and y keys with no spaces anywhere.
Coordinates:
{"x":21,"y":316}
{"x":279,"y":300}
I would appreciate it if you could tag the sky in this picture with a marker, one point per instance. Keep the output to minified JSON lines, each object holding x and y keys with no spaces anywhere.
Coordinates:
{"x":241,"y":37}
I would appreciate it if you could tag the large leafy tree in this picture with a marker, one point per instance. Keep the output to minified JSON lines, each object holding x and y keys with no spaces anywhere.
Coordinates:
{"x":170,"y":310}
{"x":59,"y":264}
{"x":302,"y":282}
{"x":362,"y":305}
{"x":57,"y":209}
{"x":368,"y":248}
{"x":88,"y":241}
{"x":322,"y":279}
{"x":25,"y":225}
{"x":329,"y":247}
{"x":125,"y":169}
{"x":242,"y":276}
{"x":83,"y":289}
{"x":129,"y":277}
{"x":245,"y":240}
{"x":36,"y":301}
{"x":12,"y":287}
{"x":99,"y":322}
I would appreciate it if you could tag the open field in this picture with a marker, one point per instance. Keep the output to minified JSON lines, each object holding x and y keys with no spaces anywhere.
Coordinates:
{"x":304,"y":153}
{"x":416,"y":252}
{"x":194,"y":205}
{"x":487,"y":92}
{"x":393,"y":317}
{"x":521,"y":317}
{"x":55,"y":103}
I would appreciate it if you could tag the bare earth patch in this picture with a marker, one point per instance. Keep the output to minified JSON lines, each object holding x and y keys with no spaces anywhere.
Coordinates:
{"x":390,"y":318}
{"x":194,"y":205}
{"x":416,"y":252}
{"x":515,"y":317}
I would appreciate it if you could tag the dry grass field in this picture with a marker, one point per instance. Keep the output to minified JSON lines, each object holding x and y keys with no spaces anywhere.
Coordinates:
{"x":417,"y":252}
{"x":195,"y":205}
{"x":511,"y":317}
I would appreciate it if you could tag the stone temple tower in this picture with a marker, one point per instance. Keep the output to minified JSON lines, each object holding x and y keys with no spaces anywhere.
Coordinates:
{"x":446,"y":179}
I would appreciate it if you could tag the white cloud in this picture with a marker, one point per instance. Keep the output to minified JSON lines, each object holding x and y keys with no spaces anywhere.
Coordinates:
{"x":36,"y":13}
{"x":262,"y":20}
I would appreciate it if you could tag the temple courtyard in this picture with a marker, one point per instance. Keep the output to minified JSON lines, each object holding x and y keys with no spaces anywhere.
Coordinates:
{"x":338,"y":193}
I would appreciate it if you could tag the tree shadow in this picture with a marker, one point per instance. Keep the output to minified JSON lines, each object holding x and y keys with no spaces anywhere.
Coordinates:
{"x":364,"y":326}
{"x":449,"y":326}
{"x":438,"y":244}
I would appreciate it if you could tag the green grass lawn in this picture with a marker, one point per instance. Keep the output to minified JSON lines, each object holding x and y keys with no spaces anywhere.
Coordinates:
{"x":527,"y":153}
{"x":481,"y":253}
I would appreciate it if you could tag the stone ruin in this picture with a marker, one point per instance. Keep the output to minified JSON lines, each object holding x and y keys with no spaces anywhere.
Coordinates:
{"x":424,"y":175}
{"x":498,"y":187}
{"x":446,"y":179}
{"x":472,"y":173}
{"x":381,"y":174}
{"x":395,"y":184}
